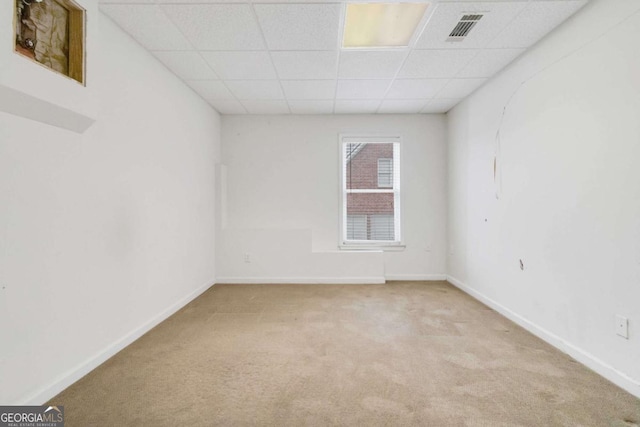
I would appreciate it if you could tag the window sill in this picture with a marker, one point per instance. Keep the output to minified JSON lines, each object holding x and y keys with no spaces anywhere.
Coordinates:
{"x":392,"y":247}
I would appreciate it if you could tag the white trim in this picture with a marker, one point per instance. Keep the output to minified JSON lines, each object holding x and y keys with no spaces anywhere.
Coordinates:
{"x":303,"y":280}
{"x":600,"y":367}
{"x":369,"y":138}
{"x":398,"y":200}
{"x":371,"y":246}
{"x":416,"y":277}
{"x":388,"y":190}
{"x":66,"y":379}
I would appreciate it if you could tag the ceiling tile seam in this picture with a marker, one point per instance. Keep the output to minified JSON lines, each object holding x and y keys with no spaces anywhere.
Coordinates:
{"x":425,"y":100}
{"x":252,"y":50}
{"x":123,"y":3}
{"x":368,"y":49}
{"x":173,"y":3}
{"x":264,"y":39}
{"x":435,"y":96}
{"x":504,"y":28}
{"x":367,"y":78}
{"x":495,"y":73}
{"x":423,"y":25}
{"x":205,"y":61}
{"x":525,"y":49}
{"x":427,"y":105}
{"x":178,"y":3}
{"x":341,"y":23}
{"x":524,"y":7}
{"x":262,"y":80}
{"x":466,"y":48}
{"x":288,"y":3}
{"x":160,"y":61}
{"x":525,"y":4}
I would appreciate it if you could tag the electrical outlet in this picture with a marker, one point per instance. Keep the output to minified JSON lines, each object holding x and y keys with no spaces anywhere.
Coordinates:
{"x":247,"y":257}
{"x":622,"y":327}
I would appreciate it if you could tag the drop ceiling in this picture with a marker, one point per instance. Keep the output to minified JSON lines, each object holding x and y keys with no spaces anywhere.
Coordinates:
{"x":266,"y":57}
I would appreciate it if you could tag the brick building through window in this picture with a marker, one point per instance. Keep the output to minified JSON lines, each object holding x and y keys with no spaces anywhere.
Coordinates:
{"x":370,"y":191}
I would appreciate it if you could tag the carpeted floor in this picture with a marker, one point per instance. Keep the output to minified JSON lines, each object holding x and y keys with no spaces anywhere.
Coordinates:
{"x":400,"y":354}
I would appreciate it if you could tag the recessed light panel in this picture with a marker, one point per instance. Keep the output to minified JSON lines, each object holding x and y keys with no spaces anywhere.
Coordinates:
{"x":369,"y":25}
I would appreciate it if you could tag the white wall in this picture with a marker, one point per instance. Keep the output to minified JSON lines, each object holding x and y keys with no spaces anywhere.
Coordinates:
{"x":102,"y":234}
{"x":570,"y":195}
{"x":282,"y":173}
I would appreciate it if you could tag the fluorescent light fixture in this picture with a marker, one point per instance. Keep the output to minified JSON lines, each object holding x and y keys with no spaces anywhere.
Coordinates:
{"x":381,"y":24}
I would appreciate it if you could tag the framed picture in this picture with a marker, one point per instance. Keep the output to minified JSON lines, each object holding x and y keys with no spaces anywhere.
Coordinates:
{"x":52,"y":33}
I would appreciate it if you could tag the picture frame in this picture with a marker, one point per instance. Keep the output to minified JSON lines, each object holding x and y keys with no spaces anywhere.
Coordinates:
{"x":52,"y":33}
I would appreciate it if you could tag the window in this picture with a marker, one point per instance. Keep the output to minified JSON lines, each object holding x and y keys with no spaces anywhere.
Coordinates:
{"x":356,"y":227}
{"x":370,"y":209}
{"x":385,"y":173}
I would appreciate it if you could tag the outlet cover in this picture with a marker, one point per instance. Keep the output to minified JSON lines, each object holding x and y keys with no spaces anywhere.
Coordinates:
{"x":622,"y":326}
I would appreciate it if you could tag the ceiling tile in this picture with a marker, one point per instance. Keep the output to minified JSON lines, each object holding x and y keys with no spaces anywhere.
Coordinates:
{"x":227,"y":106}
{"x":126,"y":1}
{"x":255,"y":89}
{"x":496,"y":16}
{"x":299,"y":26}
{"x":241,"y":65}
{"x":436,"y":63}
{"x":186,"y":65}
{"x":441,"y":105}
{"x":362,"y":89}
{"x":356,"y":106}
{"x":197,"y":1}
{"x":475,"y":1}
{"x":406,"y":106}
{"x":210,"y":89}
{"x":306,"y":65}
{"x":460,"y":88}
{"x":219,"y":48}
{"x":356,"y":64}
{"x":148,"y":25}
{"x":415,"y":88}
{"x":311,"y":107}
{"x":289,"y":1}
{"x":537,"y":19}
{"x":309,"y":89}
{"x":217,"y":26}
{"x":266,"y":107}
{"x":488,"y":62}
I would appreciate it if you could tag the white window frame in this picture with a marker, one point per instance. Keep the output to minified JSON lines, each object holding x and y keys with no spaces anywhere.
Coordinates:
{"x":397,"y":243}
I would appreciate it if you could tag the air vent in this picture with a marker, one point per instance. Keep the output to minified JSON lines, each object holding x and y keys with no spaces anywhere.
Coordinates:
{"x":464,"y":27}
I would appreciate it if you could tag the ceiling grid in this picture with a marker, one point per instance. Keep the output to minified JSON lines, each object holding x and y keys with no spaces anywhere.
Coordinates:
{"x":286,"y":56}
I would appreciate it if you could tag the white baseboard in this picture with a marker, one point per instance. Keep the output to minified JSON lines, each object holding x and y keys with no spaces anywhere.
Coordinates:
{"x":302,"y":280}
{"x":73,"y":375}
{"x":621,"y":379}
{"x":416,"y":277}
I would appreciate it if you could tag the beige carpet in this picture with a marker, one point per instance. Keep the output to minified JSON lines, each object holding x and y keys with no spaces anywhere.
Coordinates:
{"x":414,"y":354}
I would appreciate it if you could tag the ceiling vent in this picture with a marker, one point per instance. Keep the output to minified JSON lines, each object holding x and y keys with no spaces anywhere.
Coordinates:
{"x":464,"y":27}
